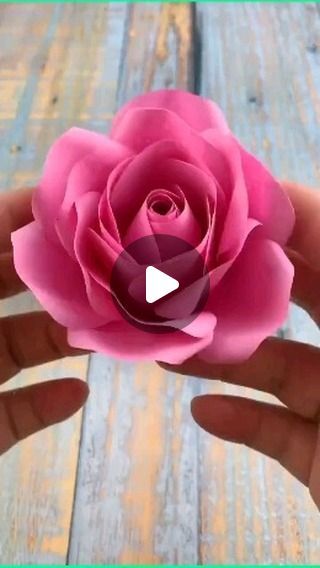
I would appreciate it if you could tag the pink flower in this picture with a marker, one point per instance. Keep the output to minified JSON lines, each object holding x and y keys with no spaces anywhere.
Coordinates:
{"x":93,"y":200}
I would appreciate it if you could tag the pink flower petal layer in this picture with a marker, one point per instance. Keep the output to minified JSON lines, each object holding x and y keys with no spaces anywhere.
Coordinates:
{"x":87,"y":217}
{"x":123,"y":341}
{"x":251,"y":301}
{"x":67,"y":151}
{"x":144,"y":128}
{"x":268,"y":203}
{"x":170,"y":166}
{"x":183,"y":226}
{"x":55,"y":279}
{"x":197,"y":112}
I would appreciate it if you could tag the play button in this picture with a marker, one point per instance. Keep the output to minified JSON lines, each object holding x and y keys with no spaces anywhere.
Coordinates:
{"x":158,"y":284}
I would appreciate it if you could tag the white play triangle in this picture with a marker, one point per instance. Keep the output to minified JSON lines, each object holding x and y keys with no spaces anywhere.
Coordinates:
{"x":158,"y":284}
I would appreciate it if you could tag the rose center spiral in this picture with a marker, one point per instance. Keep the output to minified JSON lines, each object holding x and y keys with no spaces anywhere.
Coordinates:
{"x":165,"y":203}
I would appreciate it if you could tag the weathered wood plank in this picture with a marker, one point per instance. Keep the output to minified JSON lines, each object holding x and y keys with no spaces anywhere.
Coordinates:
{"x":57,"y":68}
{"x":259,"y":64}
{"x":151,"y":486}
{"x":137,"y":493}
{"x":187,"y":497}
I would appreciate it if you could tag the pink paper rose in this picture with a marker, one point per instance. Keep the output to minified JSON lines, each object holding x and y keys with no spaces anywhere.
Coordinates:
{"x":169,"y":165}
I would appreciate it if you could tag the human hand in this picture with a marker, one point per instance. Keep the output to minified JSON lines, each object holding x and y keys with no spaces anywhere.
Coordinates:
{"x":27,"y":340}
{"x":286,"y":369}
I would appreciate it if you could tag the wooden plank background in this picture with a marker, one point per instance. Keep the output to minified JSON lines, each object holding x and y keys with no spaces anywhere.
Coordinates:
{"x":133,"y":479}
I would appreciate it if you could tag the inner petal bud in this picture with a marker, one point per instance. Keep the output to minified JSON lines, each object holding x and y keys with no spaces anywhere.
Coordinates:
{"x":164,"y":203}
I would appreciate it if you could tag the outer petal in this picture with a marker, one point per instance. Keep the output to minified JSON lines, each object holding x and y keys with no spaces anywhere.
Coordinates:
{"x":268,"y":203}
{"x":217,"y":273}
{"x":98,"y":295}
{"x":232,"y":215}
{"x":69,"y":149}
{"x":197,"y":112}
{"x":107,"y":220}
{"x":65,"y":227}
{"x":142,"y":128}
{"x":123,"y":341}
{"x":90,"y":174}
{"x":236,"y":218}
{"x":54,"y":278}
{"x":251,"y":302}
{"x":98,"y":256}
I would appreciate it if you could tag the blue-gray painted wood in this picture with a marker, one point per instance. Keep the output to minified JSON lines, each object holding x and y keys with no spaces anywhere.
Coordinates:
{"x":258,"y":62}
{"x":150,"y":486}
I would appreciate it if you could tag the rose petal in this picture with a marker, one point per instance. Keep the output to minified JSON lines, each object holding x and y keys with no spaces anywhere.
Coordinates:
{"x":184,"y":302}
{"x":143,"y":128}
{"x":108,"y":222}
{"x":232,"y":217}
{"x":195,"y":184}
{"x":251,"y":302}
{"x":143,"y":174}
{"x":139,"y":227}
{"x":65,"y":227}
{"x":69,"y":149}
{"x":268,"y":202}
{"x":98,"y":256}
{"x":91,"y":173}
{"x":197,"y":112}
{"x":87,"y":218}
{"x":183,"y":226}
{"x":202,"y":326}
{"x":171,"y":348}
{"x":53,"y":277}
{"x":217,"y":273}
{"x":164,"y":204}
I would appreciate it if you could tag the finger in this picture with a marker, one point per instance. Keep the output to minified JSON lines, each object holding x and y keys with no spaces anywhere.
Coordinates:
{"x":31,"y":339}
{"x":15,"y":212}
{"x":314,"y":482}
{"x":306,"y":234}
{"x":306,"y":286}
{"x":10,"y":282}
{"x":272,"y":430}
{"x":286,"y":369}
{"x":28,"y":410}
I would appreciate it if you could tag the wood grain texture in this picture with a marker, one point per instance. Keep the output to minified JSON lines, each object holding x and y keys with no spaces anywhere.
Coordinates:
{"x":162,"y":491}
{"x":149,"y":485}
{"x":137,"y":493}
{"x":54,"y":72}
{"x":258,"y":63}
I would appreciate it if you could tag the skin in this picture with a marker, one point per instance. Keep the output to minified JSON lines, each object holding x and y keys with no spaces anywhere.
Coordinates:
{"x":28,"y":340}
{"x":289,"y":370}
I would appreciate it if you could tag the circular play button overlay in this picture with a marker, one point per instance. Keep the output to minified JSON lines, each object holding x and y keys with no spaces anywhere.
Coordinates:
{"x":160,"y":283}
